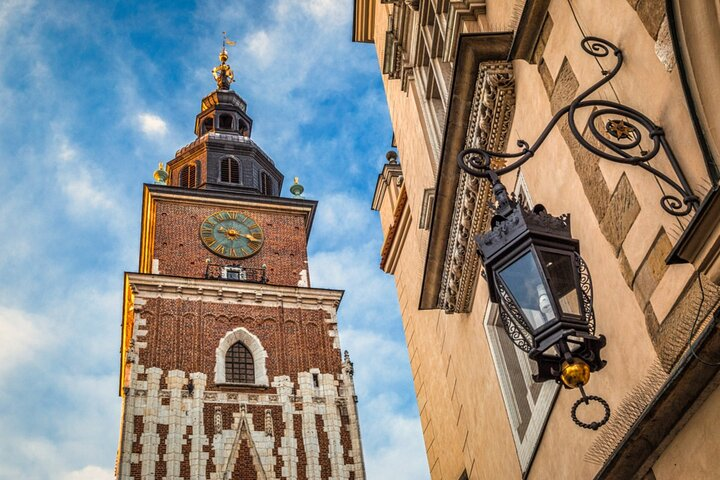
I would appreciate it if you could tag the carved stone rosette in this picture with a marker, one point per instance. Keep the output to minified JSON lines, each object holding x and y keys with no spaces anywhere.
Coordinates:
{"x":488,"y":128}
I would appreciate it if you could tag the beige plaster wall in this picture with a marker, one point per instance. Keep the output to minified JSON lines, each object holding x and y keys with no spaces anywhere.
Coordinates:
{"x":463,"y":415}
{"x":693,"y":453}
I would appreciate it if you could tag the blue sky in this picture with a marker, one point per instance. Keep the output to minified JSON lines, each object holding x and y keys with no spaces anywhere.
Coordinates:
{"x":94,"y":95}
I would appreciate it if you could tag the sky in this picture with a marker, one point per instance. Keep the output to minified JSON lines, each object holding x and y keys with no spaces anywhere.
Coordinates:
{"x":94,"y":95}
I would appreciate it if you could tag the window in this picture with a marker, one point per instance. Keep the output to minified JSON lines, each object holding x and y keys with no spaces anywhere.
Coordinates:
{"x":265,"y":184}
{"x":226,"y":121}
{"x":234,"y":273}
{"x":239,"y":365}
{"x":229,"y":170}
{"x":187,"y":176}
{"x":240,"y":354}
{"x":528,"y":404}
{"x":207,"y":125}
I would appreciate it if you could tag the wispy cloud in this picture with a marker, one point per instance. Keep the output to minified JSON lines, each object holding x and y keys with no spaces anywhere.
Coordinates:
{"x":90,"y":472}
{"x":151,"y":124}
{"x":23,"y":338}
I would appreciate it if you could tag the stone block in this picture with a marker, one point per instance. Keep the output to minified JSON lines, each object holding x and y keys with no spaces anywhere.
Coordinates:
{"x":566,"y":86}
{"x":652,"y":268}
{"x":651,"y":14}
{"x":625,"y":268}
{"x":620,"y":214}
{"x":546,"y":77}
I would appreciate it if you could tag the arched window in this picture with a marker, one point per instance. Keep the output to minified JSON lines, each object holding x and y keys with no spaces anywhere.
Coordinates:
{"x":244,"y":129}
{"x":207,"y":125}
{"x":265,"y":184}
{"x":187,"y":176}
{"x":240,"y":353}
{"x":239,"y":365}
{"x":226,"y":121}
{"x":229,"y":170}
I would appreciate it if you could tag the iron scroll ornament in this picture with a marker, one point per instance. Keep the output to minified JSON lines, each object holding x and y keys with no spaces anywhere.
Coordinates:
{"x":627,"y":136}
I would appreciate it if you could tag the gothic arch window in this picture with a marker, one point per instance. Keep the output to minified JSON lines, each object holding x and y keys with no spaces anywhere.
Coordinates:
{"x":239,"y":365}
{"x":207,"y":125}
{"x":239,"y":357}
{"x":265,"y":184}
{"x":226,"y":121}
{"x":229,"y":170}
{"x":187,"y":176}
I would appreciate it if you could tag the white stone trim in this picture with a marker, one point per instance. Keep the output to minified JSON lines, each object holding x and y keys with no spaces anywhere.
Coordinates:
{"x":259,"y":354}
{"x":146,"y":286}
{"x":540,"y":408}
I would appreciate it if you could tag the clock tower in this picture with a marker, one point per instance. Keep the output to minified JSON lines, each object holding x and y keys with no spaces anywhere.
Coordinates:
{"x":230,"y":361}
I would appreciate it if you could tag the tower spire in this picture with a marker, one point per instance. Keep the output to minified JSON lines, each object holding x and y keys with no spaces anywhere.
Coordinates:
{"x":223,"y":74}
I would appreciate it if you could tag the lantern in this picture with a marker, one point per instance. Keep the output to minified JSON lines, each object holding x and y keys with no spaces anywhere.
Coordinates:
{"x":536,"y":275}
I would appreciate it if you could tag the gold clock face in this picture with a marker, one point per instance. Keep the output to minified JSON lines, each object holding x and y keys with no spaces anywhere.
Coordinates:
{"x":231,"y":235}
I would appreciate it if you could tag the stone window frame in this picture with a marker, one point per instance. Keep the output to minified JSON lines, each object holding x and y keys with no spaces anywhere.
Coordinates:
{"x":541,"y":402}
{"x":252,"y":342}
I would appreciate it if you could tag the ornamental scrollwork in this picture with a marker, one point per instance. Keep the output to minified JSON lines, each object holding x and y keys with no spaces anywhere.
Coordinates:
{"x":513,"y":321}
{"x":622,"y":140}
{"x":586,"y":293}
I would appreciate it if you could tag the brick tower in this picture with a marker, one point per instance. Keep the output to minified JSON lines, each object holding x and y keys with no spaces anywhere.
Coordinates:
{"x":230,"y":361}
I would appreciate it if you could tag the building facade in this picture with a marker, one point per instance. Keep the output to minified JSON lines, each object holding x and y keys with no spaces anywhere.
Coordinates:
{"x":489,"y":74}
{"x":231,"y":364}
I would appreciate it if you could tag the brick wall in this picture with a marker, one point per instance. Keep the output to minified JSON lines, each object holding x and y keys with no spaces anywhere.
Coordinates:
{"x":181,"y":252}
{"x":183,"y":335}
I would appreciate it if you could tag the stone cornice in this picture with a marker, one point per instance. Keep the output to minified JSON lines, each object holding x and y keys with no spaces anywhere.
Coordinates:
{"x":390,"y":171}
{"x":480,"y":112}
{"x":489,"y":127}
{"x":146,"y":286}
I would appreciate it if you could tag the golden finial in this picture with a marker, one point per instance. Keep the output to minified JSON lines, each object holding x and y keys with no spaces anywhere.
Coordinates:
{"x":296,"y":189}
{"x":160,"y":175}
{"x":223,"y":74}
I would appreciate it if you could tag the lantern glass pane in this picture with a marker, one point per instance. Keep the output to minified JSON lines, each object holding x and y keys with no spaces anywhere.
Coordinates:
{"x":560,"y":273}
{"x":526,"y":285}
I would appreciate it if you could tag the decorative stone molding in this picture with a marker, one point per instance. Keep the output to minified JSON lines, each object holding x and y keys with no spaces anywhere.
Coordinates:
{"x":491,"y":116}
{"x":253,"y":344}
{"x":395,"y":237}
{"x":458,"y":11}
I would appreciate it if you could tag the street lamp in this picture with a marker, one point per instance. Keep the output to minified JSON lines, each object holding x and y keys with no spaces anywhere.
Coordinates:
{"x":537,"y":276}
{"x":533,"y":265}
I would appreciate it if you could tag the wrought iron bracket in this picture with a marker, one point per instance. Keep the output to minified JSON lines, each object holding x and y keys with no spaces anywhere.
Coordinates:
{"x":626,"y":136}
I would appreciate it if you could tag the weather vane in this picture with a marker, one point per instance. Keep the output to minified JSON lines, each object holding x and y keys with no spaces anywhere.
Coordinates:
{"x":223,"y":74}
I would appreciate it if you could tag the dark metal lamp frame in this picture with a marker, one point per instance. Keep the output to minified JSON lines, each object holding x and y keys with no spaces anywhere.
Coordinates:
{"x":627,"y":136}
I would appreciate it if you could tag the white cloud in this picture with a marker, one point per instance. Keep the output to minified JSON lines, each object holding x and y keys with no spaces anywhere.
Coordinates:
{"x":341,"y":217}
{"x":260,"y":45}
{"x":22,"y":338}
{"x":90,"y":472}
{"x":85,"y":188}
{"x":151,"y":124}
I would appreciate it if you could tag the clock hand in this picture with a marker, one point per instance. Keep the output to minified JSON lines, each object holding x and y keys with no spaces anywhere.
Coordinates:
{"x":250,"y":237}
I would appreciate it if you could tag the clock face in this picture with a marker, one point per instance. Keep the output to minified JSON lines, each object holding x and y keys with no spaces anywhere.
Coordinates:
{"x":231,"y":235}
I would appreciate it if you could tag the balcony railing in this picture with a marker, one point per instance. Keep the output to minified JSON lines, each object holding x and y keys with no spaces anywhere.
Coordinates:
{"x":236,"y":273}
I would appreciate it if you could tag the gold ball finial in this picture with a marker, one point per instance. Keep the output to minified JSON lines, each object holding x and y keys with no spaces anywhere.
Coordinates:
{"x":575,"y":374}
{"x":160,"y":175}
{"x":223,"y":74}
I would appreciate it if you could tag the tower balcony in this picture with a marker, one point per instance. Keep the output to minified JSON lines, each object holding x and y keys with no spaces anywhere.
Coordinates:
{"x":236,"y":273}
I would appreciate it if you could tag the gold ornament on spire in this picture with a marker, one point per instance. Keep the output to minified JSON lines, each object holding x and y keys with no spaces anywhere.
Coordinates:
{"x":223,"y":74}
